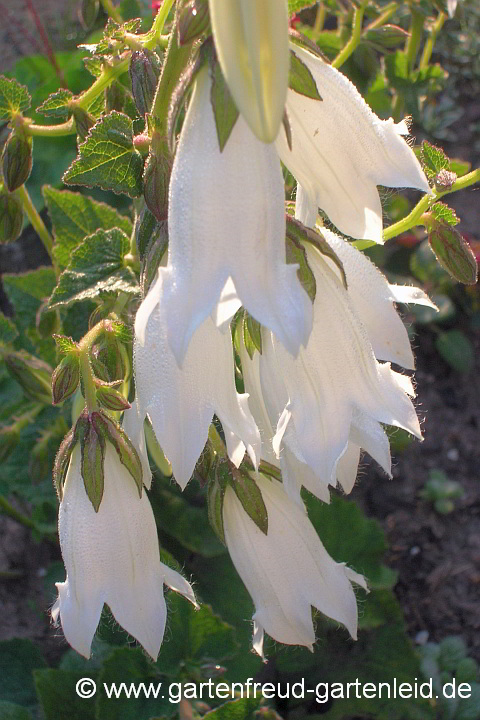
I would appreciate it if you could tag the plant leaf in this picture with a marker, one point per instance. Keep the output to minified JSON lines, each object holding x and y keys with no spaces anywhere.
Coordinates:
{"x":75,"y":216}
{"x":96,"y":266}
{"x":57,"y":104}
{"x":108,"y":158}
{"x":14,"y":98}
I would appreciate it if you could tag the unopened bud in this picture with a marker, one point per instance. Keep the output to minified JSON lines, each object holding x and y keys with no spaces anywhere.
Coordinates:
{"x":108,"y":360}
{"x":114,"y":97}
{"x":257,"y":34}
{"x":156,"y":177}
{"x":32,"y":374}
{"x":113,"y":433}
{"x":111,"y":399}
{"x":17,"y":160}
{"x":9,"y":437}
{"x":193,"y":21}
{"x":83,"y":121}
{"x":62,"y":459}
{"x":145,"y":67}
{"x":65,"y":378}
{"x":11,"y":217}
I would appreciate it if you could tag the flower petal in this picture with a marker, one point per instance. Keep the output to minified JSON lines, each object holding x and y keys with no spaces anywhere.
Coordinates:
{"x":181,"y":402}
{"x":226,"y":219}
{"x":288,"y":570}
{"x":341,"y":151}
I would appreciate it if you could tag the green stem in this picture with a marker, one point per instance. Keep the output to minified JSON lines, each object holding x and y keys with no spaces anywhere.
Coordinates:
{"x":415,"y":38}
{"x":320,"y":19}
{"x":7,"y":508}
{"x":112,"y":11}
{"x":154,"y":34}
{"x":173,"y":66}
{"x":352,"y":44}
{"x":66,"y":128}
{"x":108,"y":75}
{"x":84,"y":348}
{"x":36,"y":220}
{"x":384,"y":17}
{"x":414,"y":218}
{"x":429,"y":45}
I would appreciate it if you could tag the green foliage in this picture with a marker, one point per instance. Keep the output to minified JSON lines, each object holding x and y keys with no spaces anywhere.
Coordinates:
{"x":96,"y":266}
{"x":301,"y":79}
{"x":456,"y":349}
{"x":57,"y":696}
{"x":75,"y":216}
{"x":17,"y":660}
{"x":57,"y":104}
{"x":8,"y":331}
{"x":433,"y":159}
{"x":295,"y":6}
{"x":224,"y":109}
{"x":108,"y":158}
{"x":441,"y":492}
{"x":10,"y":711}
{"x":14,"y":98}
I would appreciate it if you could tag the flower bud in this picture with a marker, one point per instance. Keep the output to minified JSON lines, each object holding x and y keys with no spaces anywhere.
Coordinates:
{"x":156,"y":177}
{"x":251,"y":39}
{"x":145,"y":67}
{"x":11,"y":217}
{"x":108,"y":360}
{"x":9,"y":437}
{"x":17,"y":160}
{"x":112,"y":432}
{"x":83,"y":121}
{"x":62,"y":459}
{"x":65,"y":378}
{"x":193,"y":21}
{"x":32,"y":374}
{"x":111,"y":399}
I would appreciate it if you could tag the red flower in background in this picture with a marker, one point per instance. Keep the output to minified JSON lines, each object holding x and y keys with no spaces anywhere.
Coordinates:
{"x":156,"y":4}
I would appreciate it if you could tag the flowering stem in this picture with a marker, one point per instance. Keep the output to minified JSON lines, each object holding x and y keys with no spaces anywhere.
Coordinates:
{"x":319,"y":19}
{"x":84,"y":349}
{"x":7,"y":508}
{"x":173,"y":66}
{"x":429,"y":45}
{"x":415,"y":38}
{"x":110,"y":73}
{"x":384,"y":17}
{"x":36,"y":221}
{"x":349,"y":48}
{"x":414,"y":218}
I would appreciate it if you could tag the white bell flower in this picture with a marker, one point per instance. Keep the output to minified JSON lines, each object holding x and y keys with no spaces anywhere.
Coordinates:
{"x":226,"y":219}
{"x":251,"y":40}
{"x":288,"y":570}
{"x":341,"y":151}
{"x":111,"y":556}
{"x":336,"y":374}
{"x":181,"y":402}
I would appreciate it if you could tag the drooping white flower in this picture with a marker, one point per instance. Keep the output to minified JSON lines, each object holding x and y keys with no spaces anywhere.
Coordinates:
{"x":111,"y":556}
{"x":181,"y":402}
{"x":341,"y":151}
{"x":251,"y":40}
{"x":288,"y":570}
{"x":334,"y":376}
{"x":226,"y":220}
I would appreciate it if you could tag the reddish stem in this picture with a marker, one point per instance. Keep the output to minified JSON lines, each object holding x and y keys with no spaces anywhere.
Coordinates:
{"x":46,"y":42}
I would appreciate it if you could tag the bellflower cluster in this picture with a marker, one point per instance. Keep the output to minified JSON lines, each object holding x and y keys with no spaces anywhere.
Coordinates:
{"x":318,"y":391}
{"x":319,"y":388}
